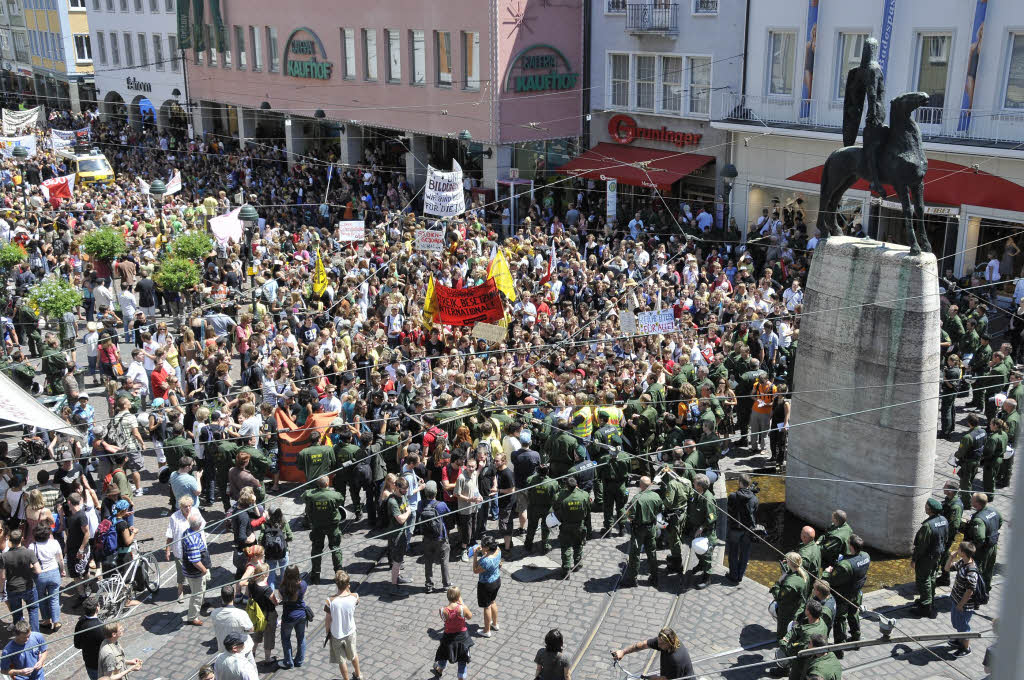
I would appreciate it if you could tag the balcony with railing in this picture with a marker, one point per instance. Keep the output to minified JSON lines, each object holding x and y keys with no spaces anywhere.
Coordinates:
{"x":938,"y":124}
{"x":705,"y":6}
{"x":661,"y":19}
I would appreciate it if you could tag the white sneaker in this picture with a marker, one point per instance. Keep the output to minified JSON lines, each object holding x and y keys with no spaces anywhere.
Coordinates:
{"x":138,"y":492}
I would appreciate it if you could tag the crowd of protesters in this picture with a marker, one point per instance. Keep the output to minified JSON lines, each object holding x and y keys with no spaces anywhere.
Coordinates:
{"x":431,"y":431}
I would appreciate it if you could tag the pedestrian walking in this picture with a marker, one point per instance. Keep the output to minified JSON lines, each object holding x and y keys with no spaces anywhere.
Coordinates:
{"x":230,"y":619}
{"x":294,"y":617}
{"x":455,"y":641}
{"x":196,"y":565}
{"x":674,"y":659}
{"x":89,"y":636}
{"x":742,"y":505}
{"x":436,"y":546}
{"x":552,"y":664}
{"x":341,"y":626}
{"x":51,"y":571}
{"x":277,"y":534}
{"x":19,"y":570}
{"x":113,"y":662}
{"x":234,"y":664}
{"x":487,"y":565}
{"x":968,"y":580}
{"x":261,"y":592}
{"x":177,"y":524}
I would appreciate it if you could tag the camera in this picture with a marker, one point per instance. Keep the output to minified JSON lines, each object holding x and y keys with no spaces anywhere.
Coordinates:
{"x":755,"y":487}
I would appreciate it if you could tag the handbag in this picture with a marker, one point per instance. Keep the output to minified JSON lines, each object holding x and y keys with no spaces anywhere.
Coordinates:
{"x":309,"y":613}
{"x":117,"y":368}
{"x":11,"y":521}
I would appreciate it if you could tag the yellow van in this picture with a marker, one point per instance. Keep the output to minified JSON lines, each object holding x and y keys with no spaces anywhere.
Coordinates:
{"x":90,"y":167}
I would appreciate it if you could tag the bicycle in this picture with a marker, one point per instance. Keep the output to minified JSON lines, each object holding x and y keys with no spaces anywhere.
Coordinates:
{"x":624,"y":674}
{"x":142,"y":574}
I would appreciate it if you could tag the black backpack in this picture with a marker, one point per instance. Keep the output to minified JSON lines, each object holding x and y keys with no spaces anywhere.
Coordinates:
{"x":980,"y":596}
{"x":275,"y":546}
{"x":430,"y":522}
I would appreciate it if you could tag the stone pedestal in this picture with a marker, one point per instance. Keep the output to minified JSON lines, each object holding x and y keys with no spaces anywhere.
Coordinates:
{"x":869,"y":339}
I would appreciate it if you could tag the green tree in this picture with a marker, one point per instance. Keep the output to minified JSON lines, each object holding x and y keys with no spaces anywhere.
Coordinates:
{"x":54,"y":297}
{"x":194,"y":246}
{"x":177,"y":274}
{"x":104,"y":244}
{"x":11,"y":254}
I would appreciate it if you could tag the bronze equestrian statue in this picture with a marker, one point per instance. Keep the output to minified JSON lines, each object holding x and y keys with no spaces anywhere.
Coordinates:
{"x":891,"y":155}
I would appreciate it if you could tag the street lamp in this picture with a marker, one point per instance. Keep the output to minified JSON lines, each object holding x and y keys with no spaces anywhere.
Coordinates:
{"x":729,"y":175}
{"x":20,"y":153}
{"x":249,"y":218}
{"x":157,"y":190}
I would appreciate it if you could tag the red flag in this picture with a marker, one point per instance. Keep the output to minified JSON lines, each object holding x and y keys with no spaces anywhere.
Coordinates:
{"x":58,"y":187}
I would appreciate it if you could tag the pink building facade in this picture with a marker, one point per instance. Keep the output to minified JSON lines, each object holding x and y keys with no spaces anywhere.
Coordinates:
{"x":416,"y":74}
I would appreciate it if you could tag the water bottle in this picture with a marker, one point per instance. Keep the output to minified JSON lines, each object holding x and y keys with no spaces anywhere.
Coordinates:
{"x":840,"y":558}
{"x":472,"y":549}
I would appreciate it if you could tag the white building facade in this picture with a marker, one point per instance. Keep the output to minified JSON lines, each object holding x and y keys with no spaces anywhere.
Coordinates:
{"x":968,"y":57}
{"x":139,"y":72}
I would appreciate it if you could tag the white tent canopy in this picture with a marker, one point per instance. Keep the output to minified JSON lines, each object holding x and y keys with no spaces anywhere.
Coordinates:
{"x":19,"y":406}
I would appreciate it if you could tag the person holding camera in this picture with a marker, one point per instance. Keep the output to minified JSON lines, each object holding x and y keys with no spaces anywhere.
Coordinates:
{"x":487,"y":563}
{"x":742,"y":505}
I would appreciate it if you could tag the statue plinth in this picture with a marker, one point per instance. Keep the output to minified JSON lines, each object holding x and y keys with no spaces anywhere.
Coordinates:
{"x":869,"y":339}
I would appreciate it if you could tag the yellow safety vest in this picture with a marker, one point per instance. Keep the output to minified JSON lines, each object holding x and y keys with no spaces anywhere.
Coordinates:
{"x":615,"y":416}
{"x":586,"y":428}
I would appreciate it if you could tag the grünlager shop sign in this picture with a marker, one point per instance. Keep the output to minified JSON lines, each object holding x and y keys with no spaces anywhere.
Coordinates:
{"x":300,"y":56}
{"x":540,"y":68}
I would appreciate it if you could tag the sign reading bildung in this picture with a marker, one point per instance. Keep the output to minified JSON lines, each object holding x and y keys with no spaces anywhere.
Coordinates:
{"x":351,"y":230}
{"x":662,"y":321}
{"x":430,"y":240}
{"x":444,"y":195}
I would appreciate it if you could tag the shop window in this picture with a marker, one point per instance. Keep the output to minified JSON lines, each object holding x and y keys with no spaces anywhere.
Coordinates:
{"x":1013,"y":93}
{"x":417,"y":45}
{"x":781,"y":63}
{"x":443,"y":50}
{"x":471,"y":60}
{"x":394,"y":39}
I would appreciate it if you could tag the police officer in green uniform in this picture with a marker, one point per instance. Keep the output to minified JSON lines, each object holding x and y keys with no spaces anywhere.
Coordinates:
{"x":710,"y":444}
{"x":953,"y":511}
{"x":969,"y":454}
{"x":930,"y":543}
{"x":949,"y":387}
{"x":833,"y":542}
{"x":21,"y":371}
{"x":572,"y":509}
{"x":702,"y":520}
{"x":810,"y":552}
{"x":615,"y":472}
{"x":847,"y":580}
{"x":259,"y":463}
{"x":824,"y":666}
{"x":676,"y":492}
{"x":790,"y":593}
{"x":1011,"y":415}
{"x":692,"y":458}
{"x":979,"y":366}
{"x":54,"y":365}
{"x":540,"y":495}
{"x":643,"y":513}
{"x":953,"y":324}
{"x":561,"y":449}
{"x":999,"y":378}
{"x":983,"y":531}
{"x":992,"y":455}
{"x":605,"y":437}
{"x":969,"y":342}
{"x":316,"y":461}
{"x":26,"y":320}
{"x":822,"y":592}
{"x":800,"y":638}
{"x":324,"y":508}
{"x":224,"y":454}
{"x":346,"y":453}
{"x":585,"y":474}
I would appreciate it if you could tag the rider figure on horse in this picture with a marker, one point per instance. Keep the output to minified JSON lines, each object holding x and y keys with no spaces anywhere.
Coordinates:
{"x":866,"y":82}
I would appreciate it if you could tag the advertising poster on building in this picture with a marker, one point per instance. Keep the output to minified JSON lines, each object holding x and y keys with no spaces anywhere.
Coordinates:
{"x":810,"y":45}
{"x":662,"y":321}
{"x":973,"y":59}
{"x":888,"y":18}
{"x":351,"y":230}
{"x":444,"y":195}
{"x":430,"y":240}
{"x":611,"y":199}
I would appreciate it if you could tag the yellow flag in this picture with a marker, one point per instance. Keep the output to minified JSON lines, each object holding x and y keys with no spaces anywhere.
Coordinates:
{"x":429,"y":305}
{"x":319,"y":276}
{"x":499,"y":270}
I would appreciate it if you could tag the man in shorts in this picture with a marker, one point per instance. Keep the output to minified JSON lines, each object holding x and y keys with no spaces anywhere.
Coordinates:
{"x":341,"y":625}
{"x":125,"y":431}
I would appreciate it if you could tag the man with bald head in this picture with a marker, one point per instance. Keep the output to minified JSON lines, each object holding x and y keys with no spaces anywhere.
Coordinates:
{"x":810,"y":551}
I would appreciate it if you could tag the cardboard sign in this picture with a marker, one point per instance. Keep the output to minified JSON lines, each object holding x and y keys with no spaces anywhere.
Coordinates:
{"x":351,"y":230}
{"x":430,"y":240}
{"x":444,"y":194}
{"x":490,"y":332}
{"x":467,"y":306}
{"x":627,"y":323}
{"x":662,"y":321}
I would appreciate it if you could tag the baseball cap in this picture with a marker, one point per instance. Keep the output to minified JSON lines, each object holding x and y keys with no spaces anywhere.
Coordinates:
{"x":232,"y":639}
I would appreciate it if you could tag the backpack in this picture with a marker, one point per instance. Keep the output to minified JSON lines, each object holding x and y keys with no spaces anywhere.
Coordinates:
{"x":980,"y":596}
{"x":430,"y":522}
{"x":108,"y":479}
{"x":275,"y":546}
{"x":106,"y":539}
{"x":256,"y":615}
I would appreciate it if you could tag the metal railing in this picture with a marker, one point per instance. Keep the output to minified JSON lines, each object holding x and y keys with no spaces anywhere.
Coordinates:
{"x":705,"y":6}
{"x":649,"y":18}
{"x":616,"y":7}
{"x":937,"y":123}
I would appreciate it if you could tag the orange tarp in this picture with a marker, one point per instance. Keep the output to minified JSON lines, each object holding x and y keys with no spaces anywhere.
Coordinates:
{"x":295,"y":439}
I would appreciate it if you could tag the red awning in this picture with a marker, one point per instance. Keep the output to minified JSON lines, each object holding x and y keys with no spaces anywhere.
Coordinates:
{"x":615,"y":161}
{"x":951,"y":184}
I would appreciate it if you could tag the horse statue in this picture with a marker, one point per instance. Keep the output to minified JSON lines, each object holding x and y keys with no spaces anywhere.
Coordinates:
{"x":901,"y":164}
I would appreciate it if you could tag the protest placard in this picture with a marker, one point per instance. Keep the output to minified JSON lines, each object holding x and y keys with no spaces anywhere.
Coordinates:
{"x":490,"y":332}
{"x":662,"y":321}
{"x":430,"y":240}
{"x":627,"y":323}
{"x":444,"y":194}
{"x":351,"y":230}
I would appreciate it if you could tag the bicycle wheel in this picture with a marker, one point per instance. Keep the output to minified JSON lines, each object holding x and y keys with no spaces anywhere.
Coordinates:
{"x":110,"y":597}
{"x":151,"y":569}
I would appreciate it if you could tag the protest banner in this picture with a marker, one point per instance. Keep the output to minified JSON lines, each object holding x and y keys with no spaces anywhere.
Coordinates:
{"x":351,"y":230}
{"x":174,"y":185}
{"x":466,"y":306}
{"x":227,"y":227}
{"x":7,"y":145}
{"x":490,"y":332}
{"x":627,"y":323}
{"x":58,"y":187}
{"x":430,"y":240}
{"x":62,"y":139}
{"x":662,"y":321}
{"x":14,"y":121}
{"x":444,"y":195}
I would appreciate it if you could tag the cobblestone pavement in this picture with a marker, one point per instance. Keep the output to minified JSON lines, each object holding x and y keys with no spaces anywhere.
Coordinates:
{"x":725,"y":628}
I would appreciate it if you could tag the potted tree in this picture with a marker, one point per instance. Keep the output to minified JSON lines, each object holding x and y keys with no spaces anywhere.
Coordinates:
{"x":175,"y":275}
{"x":104,"y":246}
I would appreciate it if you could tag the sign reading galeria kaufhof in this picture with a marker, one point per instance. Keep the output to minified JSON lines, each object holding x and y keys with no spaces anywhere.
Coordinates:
{"x":305,"y":56}
{"x":540,"y":68}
